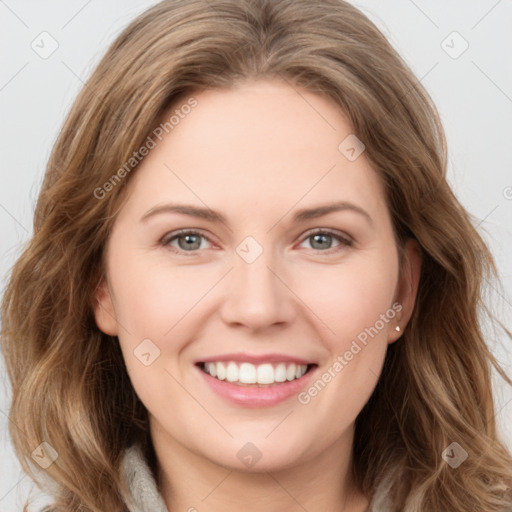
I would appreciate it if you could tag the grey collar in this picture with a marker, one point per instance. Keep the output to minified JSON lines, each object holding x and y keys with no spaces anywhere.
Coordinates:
{"x":144,"y":495}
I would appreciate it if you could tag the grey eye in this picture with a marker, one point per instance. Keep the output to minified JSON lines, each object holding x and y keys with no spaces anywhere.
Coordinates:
{"x":187,"y":241}
{"x":321,"y":241}
{"x":192,"y":242}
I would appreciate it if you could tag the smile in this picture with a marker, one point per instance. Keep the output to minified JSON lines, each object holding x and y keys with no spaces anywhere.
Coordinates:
{"x":248,"y":374}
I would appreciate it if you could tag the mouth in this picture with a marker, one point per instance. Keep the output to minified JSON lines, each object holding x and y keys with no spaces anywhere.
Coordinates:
{"x":247,"y":374}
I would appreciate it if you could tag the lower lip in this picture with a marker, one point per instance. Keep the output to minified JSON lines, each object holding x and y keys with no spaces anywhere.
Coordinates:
{"x":252,"y":396}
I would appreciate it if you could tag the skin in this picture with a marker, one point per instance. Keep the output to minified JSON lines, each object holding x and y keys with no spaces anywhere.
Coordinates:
{"x":255,"y":153}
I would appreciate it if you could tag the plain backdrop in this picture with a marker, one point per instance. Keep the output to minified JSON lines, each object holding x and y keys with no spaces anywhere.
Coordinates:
{"x":460,"y":51}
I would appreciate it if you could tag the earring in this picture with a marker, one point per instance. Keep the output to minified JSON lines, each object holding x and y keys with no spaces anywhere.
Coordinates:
{"x":397,"y":328}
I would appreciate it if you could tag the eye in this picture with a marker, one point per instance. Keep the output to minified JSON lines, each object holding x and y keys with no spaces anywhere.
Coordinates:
{"x":321,"y":239}
{"x":187,"y":240}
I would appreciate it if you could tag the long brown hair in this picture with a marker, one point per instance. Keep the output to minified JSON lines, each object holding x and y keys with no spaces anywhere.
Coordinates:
{"x":69,"y":381}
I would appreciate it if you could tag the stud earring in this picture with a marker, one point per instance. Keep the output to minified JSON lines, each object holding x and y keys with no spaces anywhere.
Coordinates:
{"x":397,"y":328}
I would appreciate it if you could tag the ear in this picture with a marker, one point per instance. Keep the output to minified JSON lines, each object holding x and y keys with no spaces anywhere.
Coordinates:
{"x":407,"y":287}
{"x":104,"y":312}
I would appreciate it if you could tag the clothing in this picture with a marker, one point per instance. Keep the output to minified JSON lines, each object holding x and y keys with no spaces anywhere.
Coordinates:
{"x":144,"y":495}
{"x":146,"y":498}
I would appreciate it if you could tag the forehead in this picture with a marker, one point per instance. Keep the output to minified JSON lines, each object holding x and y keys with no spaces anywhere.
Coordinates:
{"x":258,"y":146}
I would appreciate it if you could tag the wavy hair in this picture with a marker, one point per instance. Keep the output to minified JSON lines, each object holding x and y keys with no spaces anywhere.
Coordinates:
{"x":69,"y":382}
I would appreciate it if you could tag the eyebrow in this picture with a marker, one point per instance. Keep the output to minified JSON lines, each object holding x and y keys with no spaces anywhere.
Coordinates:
{"x":218,"y":218}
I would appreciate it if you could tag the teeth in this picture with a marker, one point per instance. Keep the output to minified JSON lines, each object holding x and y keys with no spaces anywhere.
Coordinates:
{"x":265,"y":374}
{"x":280,"y":372}
{"x":221,"y":371}
{"x":212,"y":369}
{"x":290,"y":372}
{"x":232,"y":372}
{"x":248,"y":373}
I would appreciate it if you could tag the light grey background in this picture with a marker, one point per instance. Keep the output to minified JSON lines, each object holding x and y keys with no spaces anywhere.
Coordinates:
{"x":473,"y":91}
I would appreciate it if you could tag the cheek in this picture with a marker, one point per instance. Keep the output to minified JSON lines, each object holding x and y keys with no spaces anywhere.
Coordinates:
{"x":159,"y":310}
{"x":153,"y":304}
{"x":351,"y":298}
{"x":354,"y":304}
{"x":152,"y":297}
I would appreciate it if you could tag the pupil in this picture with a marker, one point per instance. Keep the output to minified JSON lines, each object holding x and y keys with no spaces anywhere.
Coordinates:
{"x":318,"y":238}
{"x":190,"y":241}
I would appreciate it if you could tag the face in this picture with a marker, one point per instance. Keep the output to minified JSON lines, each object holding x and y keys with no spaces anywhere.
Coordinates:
{"x":251,"y":247}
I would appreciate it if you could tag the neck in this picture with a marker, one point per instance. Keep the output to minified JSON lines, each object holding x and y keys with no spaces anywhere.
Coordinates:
{"x":193,"y":483}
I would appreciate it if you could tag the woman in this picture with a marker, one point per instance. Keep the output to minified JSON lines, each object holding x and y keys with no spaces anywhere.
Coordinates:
{"x":250,"y":284}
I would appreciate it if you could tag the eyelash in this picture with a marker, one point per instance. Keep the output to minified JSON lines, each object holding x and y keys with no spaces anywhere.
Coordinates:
{"x":345,"y":241}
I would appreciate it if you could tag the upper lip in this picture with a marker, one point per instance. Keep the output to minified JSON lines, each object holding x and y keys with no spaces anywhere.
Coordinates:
{"x":255,"y":358}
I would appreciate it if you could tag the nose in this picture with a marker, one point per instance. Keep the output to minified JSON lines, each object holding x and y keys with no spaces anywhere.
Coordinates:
{"x":257,"y":294}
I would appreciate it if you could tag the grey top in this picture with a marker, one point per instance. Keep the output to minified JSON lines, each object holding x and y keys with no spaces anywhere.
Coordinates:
{"x":145,"y":496}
